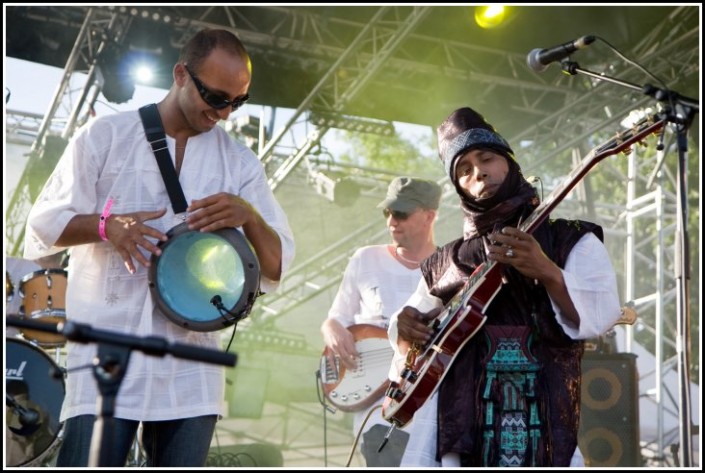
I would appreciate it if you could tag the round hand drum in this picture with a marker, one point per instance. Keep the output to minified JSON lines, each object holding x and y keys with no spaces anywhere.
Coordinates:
{"x":204,"y":281}
{"x":43,"y":295}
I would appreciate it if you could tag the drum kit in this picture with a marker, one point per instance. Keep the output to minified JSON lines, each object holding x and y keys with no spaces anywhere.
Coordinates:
{"x":34,"y":381}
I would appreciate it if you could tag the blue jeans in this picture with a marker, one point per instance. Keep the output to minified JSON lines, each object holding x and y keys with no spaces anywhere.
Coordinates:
{"x":171,"y":443}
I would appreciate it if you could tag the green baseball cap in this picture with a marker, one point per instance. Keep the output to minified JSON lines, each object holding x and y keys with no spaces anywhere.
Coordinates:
{"x":406,"y":194}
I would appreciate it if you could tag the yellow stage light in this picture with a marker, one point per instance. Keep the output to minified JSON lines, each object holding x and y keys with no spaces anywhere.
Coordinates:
{"x":489,"y":16}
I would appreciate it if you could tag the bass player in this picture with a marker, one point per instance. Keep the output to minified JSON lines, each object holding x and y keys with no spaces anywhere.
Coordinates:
{"x":377,"y":281}
{"x":511,"y":397}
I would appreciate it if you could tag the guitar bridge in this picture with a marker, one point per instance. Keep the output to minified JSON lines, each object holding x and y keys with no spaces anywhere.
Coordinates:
{"x":330,"y":373}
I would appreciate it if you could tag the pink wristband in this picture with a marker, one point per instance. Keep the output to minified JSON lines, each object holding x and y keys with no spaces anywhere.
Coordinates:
{"x":103,"y":219}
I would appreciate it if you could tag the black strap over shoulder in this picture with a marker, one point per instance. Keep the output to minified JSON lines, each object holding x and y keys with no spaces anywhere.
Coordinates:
{"x":154,"y":130}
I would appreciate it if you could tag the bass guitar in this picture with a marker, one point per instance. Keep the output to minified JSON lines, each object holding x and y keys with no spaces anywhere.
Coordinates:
{"x":464,"y":315}
{"x":358,"y":389}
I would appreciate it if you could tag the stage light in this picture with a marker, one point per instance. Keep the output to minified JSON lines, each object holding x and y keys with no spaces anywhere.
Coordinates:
{"x":144,"y":75}
{"x":246,"y":127}
{"x":118,"y":85}
{"x":336,"y":187}
{"x":489,"y":16}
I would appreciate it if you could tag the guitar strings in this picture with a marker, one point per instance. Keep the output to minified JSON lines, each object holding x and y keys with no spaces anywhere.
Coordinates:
{"x":376,"y":357}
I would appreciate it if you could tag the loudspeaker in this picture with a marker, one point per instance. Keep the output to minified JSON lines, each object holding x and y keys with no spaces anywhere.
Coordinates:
{"x":609,"y":419}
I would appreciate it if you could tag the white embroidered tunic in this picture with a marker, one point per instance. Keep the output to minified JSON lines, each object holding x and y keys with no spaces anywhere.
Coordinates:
{"x":110,"y":158}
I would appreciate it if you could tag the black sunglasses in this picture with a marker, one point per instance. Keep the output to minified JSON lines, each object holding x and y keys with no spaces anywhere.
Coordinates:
{"x":396,"y":214}
{"x":216,"y":101}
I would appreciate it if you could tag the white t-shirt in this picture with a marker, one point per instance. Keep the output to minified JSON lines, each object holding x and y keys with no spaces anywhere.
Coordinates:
{"x":374,"y":286}
{"x":110,"y":158}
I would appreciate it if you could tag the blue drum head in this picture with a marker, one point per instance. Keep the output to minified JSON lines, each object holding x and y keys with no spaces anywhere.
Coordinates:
{"x":205,"y":281}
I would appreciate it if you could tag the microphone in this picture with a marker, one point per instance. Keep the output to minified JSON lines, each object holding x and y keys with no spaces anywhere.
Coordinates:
{"x":217,"y":301}
{"x":27,"y":416}
{"x":538,"y":59}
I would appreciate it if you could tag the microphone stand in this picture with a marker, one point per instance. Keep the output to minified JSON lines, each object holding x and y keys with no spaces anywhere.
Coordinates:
{"x":680,"y":111}
{"x":110,"y":366}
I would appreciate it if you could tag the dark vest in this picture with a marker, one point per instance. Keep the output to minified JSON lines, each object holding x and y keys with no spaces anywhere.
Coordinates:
{"x":520,"y":302}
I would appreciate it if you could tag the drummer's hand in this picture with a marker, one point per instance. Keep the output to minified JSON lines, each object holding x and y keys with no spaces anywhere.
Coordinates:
{"x":128,"y":233}
{"x":221,"y":210}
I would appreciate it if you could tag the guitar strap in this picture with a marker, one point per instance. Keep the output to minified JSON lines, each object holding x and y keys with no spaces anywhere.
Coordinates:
{"x":153,"y":128}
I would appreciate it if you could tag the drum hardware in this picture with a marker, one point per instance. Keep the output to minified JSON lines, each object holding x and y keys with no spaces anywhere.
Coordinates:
{"x":28,"y":417}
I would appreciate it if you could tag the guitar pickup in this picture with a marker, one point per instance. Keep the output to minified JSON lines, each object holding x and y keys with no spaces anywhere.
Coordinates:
{"x":409,"y":375}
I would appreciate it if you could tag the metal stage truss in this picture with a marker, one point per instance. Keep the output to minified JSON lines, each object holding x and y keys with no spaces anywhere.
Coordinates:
{"x":352,"y":54}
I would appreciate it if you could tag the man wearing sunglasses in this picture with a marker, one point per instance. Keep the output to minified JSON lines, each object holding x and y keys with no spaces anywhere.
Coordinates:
{"x":108,"y":202}
{"x":377,"y":281}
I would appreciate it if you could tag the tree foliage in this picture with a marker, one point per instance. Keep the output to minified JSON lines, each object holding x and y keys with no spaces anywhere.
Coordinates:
{"x":396,"y":154}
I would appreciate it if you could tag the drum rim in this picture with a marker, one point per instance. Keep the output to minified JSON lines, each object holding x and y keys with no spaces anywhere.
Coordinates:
{"x":54,"y":340}
{"x":9,"y":287}
{"x":42,"y":272}
{"x":250,"y":288}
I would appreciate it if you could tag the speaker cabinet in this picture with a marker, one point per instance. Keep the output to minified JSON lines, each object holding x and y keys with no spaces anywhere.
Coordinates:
{"x":609,"y":419}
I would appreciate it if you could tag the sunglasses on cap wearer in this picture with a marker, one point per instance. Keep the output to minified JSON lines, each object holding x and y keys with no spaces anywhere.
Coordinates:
{"x":213,"y":99}
{"x":397,"y":214}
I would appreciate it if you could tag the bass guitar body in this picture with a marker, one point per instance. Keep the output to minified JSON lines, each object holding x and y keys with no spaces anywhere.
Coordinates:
{"x":358,"y":389}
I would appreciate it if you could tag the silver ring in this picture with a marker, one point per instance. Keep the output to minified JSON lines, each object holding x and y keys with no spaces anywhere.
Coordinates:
{"x":509,"y":253}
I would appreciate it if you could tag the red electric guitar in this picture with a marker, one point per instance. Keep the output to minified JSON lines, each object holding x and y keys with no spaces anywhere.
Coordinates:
{"x":464,"y":315}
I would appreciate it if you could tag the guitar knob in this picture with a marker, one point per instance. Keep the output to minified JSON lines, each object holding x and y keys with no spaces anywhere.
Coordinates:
{"x":343,"y":398}
{"x":356,"y":396}
{"x":393,"y":385}
{"x":395,"y":393}
{"x":333,"y":394}
{"x":368,"y":388}
{"x":409,"y":375}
